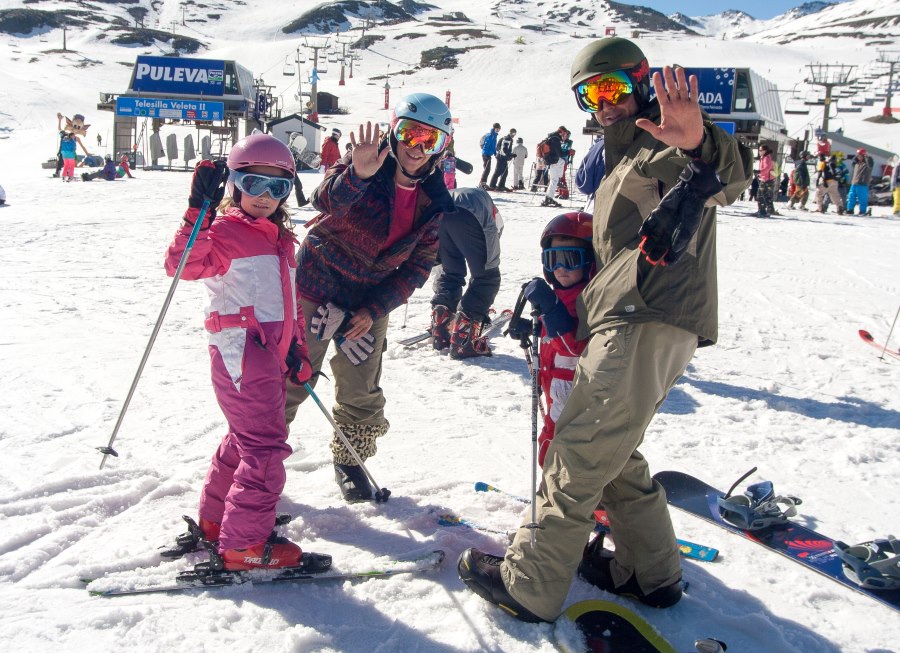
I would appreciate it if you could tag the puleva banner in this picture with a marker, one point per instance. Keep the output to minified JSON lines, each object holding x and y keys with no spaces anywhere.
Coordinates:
{"x":178,"y":75}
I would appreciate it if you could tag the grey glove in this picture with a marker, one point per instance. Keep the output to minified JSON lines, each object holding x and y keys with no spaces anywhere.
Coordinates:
{"x":359,"y":349}
{"x":328,"y":320}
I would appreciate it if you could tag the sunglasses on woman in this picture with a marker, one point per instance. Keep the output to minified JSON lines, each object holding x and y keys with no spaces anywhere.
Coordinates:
{"x":567,"y":258}
{"x":255,"y":184}
{"x":614,"y":87}
{"x":412,"y":134}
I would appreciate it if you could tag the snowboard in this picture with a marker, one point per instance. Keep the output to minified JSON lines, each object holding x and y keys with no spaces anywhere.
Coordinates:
{"x":790,"y":539}
{"x":606,"y":627}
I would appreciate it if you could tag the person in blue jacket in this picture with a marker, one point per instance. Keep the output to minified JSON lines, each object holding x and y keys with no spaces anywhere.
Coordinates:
{"x":488,"y":149}
{"x":593,"y":167}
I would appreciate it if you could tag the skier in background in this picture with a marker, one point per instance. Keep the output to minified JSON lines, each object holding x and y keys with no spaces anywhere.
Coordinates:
{"x":488,"y":149}
{"x":255,"y":342}
{"x":555,"y":160}
{"x":766,"y":191}
{"x":448,"y":167}
{"x":859,"y":183}
{"x":374,"y":242}
{"x":469,"y":238}
{"x":895,"y":185}
{"x":330,"y":150}
{"x":520,"y":152}
{"x":504,"y":155}
{"x":652,"y":301}
{"x":801,"y":183}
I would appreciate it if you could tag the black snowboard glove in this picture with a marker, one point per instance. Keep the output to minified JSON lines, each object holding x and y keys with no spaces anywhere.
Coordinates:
{"x":669,"y":228}
{"x":208,"y":183}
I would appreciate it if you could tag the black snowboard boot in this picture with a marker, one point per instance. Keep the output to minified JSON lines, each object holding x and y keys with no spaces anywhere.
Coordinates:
{"x":466,"y":340}
{"x":353,"y":482}
{"x":481,"y":573}
{"x":441,"y":325}
{"x":594,"y":568}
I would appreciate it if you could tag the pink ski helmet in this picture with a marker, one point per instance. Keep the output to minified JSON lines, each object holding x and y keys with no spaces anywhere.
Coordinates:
{"x":260,"y":149}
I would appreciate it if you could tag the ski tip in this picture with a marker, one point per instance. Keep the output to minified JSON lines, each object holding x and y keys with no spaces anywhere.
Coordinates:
{"x":865,"y":335}
{"x":481,"y":486}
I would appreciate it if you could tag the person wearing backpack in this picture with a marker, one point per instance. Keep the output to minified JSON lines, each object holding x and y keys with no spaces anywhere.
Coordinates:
{"x":488,"y":148}
{"x":553,"y":155}
{"x":503,"y":155}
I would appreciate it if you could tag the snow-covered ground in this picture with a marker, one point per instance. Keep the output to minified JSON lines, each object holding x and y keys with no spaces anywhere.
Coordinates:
{"x":789,"y":388}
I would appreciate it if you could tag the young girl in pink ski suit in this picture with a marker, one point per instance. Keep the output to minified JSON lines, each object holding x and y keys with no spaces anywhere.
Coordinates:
{"x":245,"y":256}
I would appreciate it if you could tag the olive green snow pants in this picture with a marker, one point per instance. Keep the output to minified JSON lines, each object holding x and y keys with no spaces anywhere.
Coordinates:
{"x":359,"y":399}
{"x":621,"y":380}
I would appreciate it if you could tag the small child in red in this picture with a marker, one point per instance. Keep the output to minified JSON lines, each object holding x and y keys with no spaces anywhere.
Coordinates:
{"x":568,"y":259}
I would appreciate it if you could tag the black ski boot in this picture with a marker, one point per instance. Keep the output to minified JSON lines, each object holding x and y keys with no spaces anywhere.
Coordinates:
{"x":353,"y":482}
{"x":481,"y":573}
{"x":549,"y":201}
{"x":594,"y":568}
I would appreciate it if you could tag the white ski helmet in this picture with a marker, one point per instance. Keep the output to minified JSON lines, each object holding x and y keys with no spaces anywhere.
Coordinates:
{"x":428,"y":110}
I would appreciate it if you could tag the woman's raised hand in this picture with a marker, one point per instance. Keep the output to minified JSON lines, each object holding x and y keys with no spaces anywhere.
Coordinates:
{"x":367,"y":159}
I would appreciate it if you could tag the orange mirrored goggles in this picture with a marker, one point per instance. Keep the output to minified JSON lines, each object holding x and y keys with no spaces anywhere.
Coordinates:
{"x":614,"y":87}
{"x":412,"y":134}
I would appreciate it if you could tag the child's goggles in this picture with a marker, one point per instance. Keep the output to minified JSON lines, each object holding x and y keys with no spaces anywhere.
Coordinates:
{"x":614,"y":87}
{"x":568,"y":258}
{"x":412,"y":134}
{"x":255,"y":184}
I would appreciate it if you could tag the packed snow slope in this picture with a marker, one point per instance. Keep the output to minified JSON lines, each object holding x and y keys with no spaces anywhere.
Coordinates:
{"x":789,"y":387}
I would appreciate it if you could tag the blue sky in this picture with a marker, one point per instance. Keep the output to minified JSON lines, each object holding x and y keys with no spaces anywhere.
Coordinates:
{"x":757,"y":9}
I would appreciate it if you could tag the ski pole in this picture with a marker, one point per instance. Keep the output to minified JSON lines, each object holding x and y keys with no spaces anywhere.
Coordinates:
{"x":108,"y":449}
{"x":890,"y":333}
{"x":535,"y":402}
{"x":405,"y":312}
{"x":381,"y":494}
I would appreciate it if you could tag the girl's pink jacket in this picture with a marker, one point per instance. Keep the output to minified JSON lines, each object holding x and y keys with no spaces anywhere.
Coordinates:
{"x":249,"y":274}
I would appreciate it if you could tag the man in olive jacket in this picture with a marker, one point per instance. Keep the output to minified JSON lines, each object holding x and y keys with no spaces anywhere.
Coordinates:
{"x":651,"y":303}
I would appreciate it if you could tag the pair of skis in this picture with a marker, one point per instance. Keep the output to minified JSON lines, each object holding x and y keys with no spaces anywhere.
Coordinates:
{"x":685,"y":548}
{"x":868,"y":338}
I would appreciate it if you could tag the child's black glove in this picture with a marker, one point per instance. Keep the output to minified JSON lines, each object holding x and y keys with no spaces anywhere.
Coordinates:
{"x":669,"y":228}
{"x":208,"y":183}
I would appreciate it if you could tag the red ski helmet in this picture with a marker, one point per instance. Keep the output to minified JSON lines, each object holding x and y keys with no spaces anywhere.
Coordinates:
{"x":575,"y":224}
{"x":861,"y":152}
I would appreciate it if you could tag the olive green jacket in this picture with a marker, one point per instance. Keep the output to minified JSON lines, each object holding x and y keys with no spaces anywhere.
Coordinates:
{"x":627,"y":289}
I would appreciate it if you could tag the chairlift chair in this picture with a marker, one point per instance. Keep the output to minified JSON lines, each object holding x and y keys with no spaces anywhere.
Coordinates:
{"x":288,"y":70}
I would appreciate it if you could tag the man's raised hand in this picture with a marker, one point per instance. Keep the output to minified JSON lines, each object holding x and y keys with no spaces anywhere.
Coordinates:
{"x":681,"y":123}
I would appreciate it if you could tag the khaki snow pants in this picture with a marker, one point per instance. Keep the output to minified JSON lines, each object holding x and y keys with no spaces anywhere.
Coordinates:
{"x":358,"y":396}
{"x":621,"y":380}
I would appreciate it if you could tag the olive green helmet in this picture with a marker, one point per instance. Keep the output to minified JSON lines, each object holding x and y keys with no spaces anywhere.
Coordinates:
{"x":611,"y":54}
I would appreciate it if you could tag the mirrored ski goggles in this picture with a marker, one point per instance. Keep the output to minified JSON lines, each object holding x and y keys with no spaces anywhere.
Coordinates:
{"x":255,"y":184}
{"x":412,"y":134}
{"x":614,"y":87}
{"x":568,"y":258}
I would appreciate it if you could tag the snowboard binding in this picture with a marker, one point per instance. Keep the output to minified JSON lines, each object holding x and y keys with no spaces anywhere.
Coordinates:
{"x":758,"y":507}
{"x":874,"y":565}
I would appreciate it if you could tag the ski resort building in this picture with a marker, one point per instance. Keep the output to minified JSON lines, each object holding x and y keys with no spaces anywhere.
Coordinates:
{"x":210,"y":97}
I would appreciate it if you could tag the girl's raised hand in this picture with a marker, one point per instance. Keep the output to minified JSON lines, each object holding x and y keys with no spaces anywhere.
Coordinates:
{"x":367,"y":159}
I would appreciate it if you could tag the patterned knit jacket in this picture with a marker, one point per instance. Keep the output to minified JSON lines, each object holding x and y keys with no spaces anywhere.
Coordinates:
{"x":343,"y":259}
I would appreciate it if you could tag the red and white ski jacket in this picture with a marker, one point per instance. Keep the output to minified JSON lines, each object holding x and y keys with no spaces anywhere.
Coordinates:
{"x":558,"y":358}
{"x":249,"y":274}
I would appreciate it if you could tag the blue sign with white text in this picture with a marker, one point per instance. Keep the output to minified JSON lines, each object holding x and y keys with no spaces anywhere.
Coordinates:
{"x":169,"y":108}
{"x":715,"y":86}
{"x":179,"y":75}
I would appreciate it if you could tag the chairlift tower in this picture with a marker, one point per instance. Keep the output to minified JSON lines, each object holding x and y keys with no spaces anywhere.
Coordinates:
{"x":829,"y":76}
{"x":315,"y":43}
{"x":892,"y":59}
{"x":343,"y":43}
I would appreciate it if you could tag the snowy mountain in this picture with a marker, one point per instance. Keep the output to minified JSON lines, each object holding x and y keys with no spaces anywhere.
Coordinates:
{"x":789,"y":387}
